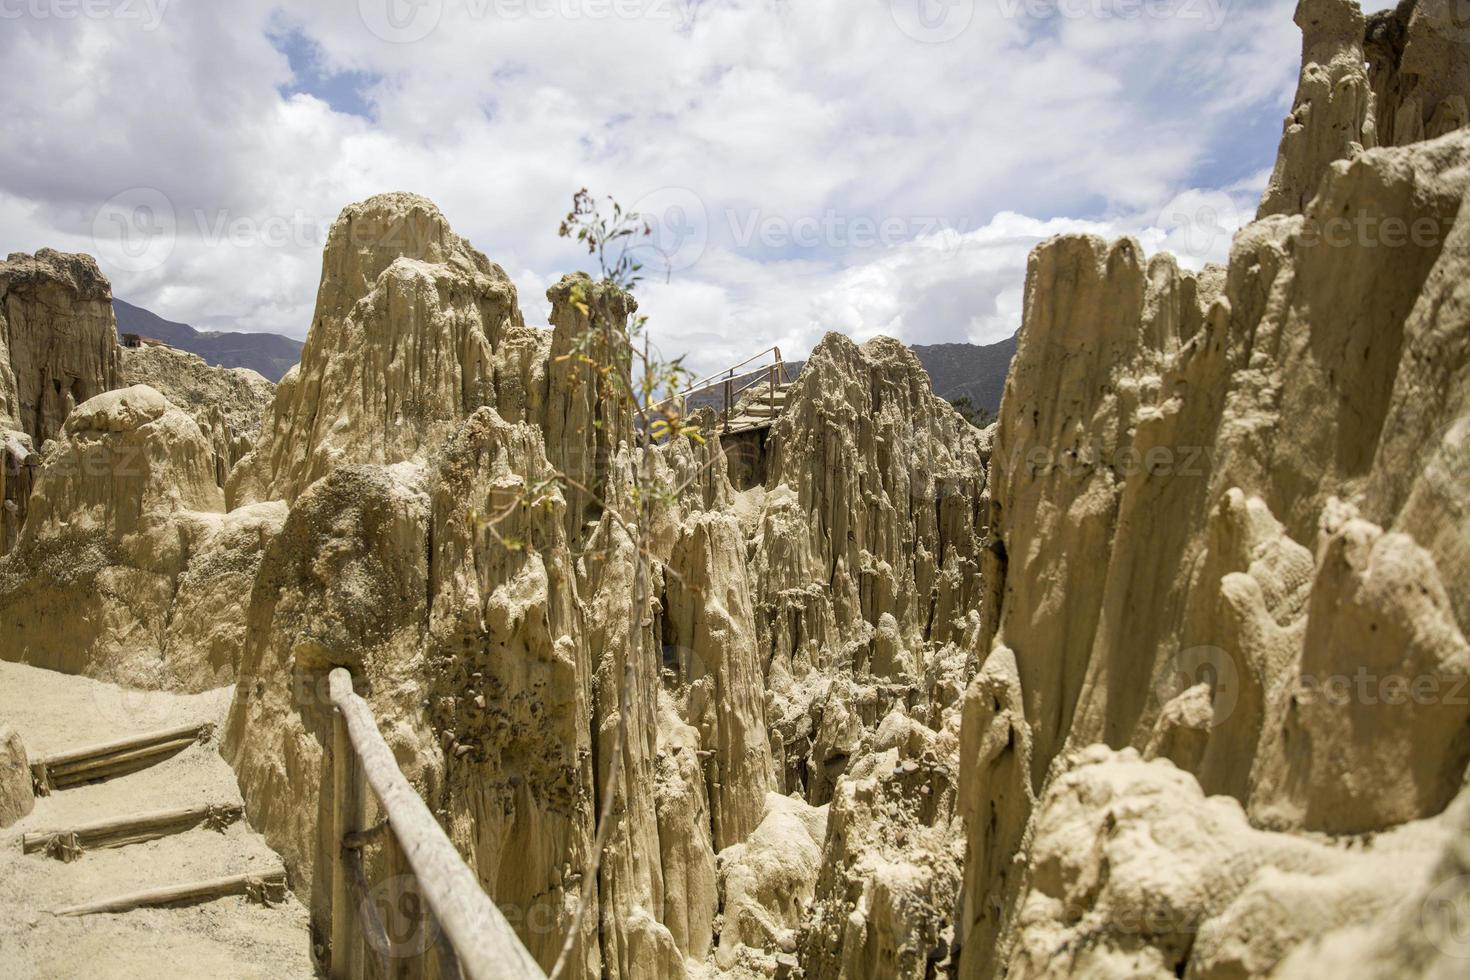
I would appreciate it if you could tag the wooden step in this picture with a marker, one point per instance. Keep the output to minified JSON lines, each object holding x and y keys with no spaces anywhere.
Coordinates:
{"x":68,"y":845}
{"x":85,"y":765}
{"x":265,"y":887}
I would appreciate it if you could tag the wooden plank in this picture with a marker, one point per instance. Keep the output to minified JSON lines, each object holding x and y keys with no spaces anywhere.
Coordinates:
{"x":112,"y":758}
{"x":377,"y":936}
{"x":133,"y":829}
{"x":485,"y":944}
{"x":194,"y":730}
{"x":103,"y":766}
{"x":344,"y":763}
{"x":261,"y":885}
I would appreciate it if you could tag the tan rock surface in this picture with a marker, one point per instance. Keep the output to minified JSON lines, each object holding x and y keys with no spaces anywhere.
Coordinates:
{"x":1333,"y":104}
{"x":399,"y":284}
{"x":1134,"y":872}
{"x":127,"y":569}
{"x":227,"y":403}
{"x":58,"y":348}
{"x":16,"y":796}
{"x":1225,"y":534}
{"x":58,"y":339}
{"x":768,"y":880}
{"x":18,"y":462}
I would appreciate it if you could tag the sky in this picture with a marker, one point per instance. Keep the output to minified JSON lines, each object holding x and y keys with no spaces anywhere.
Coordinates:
{"x":866,"y":166}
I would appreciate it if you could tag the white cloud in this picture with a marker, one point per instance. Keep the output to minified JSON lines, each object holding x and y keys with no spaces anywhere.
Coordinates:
{"x":809,"y":121}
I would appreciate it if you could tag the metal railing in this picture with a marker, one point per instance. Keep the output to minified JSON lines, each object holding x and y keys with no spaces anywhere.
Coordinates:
{"x":472,"y":938}
{"x":726,"y":379}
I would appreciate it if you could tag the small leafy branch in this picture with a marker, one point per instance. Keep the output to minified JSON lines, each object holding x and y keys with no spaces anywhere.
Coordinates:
{"x":637,"y":379}
{"x":624,"y":231}
{"x":619,"y":354}
{"x":610,"y":350}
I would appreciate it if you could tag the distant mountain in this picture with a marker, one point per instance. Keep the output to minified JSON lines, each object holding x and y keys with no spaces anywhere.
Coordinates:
{"x":956,"y":371}
{"x":269,"y":353}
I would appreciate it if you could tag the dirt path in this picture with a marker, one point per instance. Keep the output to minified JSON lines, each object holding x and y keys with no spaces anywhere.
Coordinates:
{"x":226,"y":938}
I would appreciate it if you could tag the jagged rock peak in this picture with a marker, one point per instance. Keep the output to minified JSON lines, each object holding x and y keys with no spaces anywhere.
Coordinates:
{"x":371,"y":235}
{"x":401,"y":349}
{"x":1331,"y":108}
{"x":1393,"y":78}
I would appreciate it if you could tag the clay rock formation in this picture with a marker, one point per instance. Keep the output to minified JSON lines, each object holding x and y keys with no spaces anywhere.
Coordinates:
{"x":484,"y":603}
{"x":585,"y":420}
{"x":477,"y":579}
{"x":1333,"y":104}
{"x":1397,"y":77}
{"x":1417,"y":58}
{"x":399,"y":351}
{"x":891,"y":864}
{"x":887,"y":479}
{"x":58,"y":348}
{"x":342,"y":584}
{"x":866,"y":554}
{"x":1225,"y":537}
{"x":16,"y":796}
{"x":769,"y":879}
{"x":58,"y":339}
{"x":1134,"y":872}
{"x":124,"y":506}
{"x":227,"y":403}
{"x":18,"y":461}
{"x":864,"y":545}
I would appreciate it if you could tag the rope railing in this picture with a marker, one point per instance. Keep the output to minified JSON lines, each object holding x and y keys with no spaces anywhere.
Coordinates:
{"x":476,"y":941}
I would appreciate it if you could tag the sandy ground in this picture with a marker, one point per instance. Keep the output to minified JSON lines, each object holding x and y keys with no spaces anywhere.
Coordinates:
{"x":230,"y":937}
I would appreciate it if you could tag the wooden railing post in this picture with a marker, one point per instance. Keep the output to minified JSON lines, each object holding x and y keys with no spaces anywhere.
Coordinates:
{"x":346,"y":818}
{"x":480,"y":939}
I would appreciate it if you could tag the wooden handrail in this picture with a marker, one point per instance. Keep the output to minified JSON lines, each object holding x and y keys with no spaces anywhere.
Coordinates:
{"x":484,"y":943}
